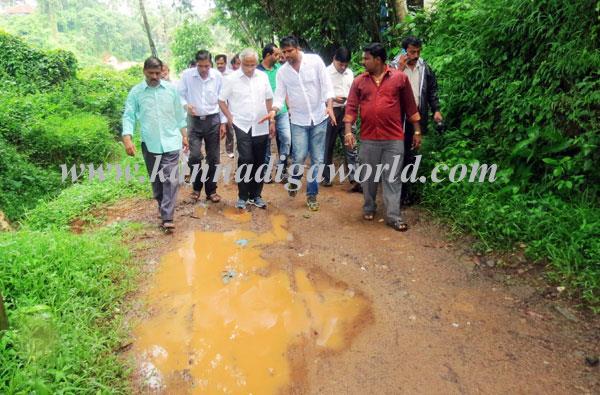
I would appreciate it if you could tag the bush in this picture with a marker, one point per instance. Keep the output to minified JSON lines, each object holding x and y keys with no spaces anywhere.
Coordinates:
{"x":28,"y":69}
{"x":520,"y":88}
{"x":22,"y":183}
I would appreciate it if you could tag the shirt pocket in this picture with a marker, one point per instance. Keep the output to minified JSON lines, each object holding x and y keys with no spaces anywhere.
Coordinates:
{"x":210,"y":94}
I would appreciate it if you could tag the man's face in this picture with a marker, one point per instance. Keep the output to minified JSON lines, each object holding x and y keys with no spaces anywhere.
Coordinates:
{"x":340,"y":66}
{"x":153,"y":76}
{"x":249,"y":65}
{"x":291,"y":54}
{"x":221,"y":65}
{"x":370,"y":62}
{"x":277,"y":56}
{"x":203,"y":67}
{"x":413,"y":53}
{"x":236,"y":64}
{"x":165,"y":73}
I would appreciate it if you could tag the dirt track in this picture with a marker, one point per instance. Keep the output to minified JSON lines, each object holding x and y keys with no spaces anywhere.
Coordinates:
{"x":439,"y":322}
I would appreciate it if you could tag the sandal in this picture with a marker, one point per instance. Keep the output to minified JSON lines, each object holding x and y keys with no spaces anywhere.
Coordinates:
{"x":195,"y":196}
{"x":168,"y":226}
{"x":399,"y":225}
{"x":368,"y":216}
{"x":215,"y":198}
{"x":312,"y":203}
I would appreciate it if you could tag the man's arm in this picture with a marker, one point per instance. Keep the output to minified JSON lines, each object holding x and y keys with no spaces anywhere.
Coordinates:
{"x":432,"y":95}
{"x":128,"y":121}
{"x":350,"y":114}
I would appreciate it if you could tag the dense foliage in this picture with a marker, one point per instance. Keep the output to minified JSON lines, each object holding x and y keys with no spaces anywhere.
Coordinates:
{"x":520,"y":88}
{"x":188,"y":39}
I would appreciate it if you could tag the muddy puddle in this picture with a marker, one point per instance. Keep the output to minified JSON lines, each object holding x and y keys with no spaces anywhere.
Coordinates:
{"x":224,"y":320}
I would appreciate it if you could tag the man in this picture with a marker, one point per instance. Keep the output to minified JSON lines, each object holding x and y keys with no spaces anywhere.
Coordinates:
{"x":341,"y":79}
{"x":383,"y":96}
{"x":221,"y":61}
{"x":235,"y":62}
{"x":424,"y":87}
{"x":165,"y":73}
{"x":304,"y":81}
{"x":245,"y":99}
{"x":156,"y":105}
{"x":270,"y":65}
{"x":199,"y":89}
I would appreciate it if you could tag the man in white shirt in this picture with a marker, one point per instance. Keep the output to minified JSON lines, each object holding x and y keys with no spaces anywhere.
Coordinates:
{"x":341,"y":79}
{"x":199,"y":89}
{"x":304,"y":82}
{"x":245,"y":99}
{"x":221,"y":62}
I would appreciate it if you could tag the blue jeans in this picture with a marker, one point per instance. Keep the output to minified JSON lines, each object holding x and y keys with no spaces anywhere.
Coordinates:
{"x":309,"y":140}
{"x":284,"y":139}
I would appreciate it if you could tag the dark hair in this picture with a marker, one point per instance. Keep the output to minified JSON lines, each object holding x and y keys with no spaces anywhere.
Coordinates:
{"x":268,"y":50}
{"x":153,"y":63}
{"x":377,"y":51}
{"x":289,"y":41}
{"x":221,"y":56}
{"x":192,"y":63}
{"x":203,"y":54}
{"x":415,"y":42}
{"x":235,"y":58}
{"x":342,"y":55}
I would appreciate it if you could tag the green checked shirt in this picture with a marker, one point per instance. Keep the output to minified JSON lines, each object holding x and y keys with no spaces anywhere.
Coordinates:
{"x":160,"y":113}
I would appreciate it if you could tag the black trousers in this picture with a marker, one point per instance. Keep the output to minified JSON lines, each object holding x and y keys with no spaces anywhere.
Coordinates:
{"x":251,"y":152}
{"x":333,"y":133}
{"x":207,"y":131}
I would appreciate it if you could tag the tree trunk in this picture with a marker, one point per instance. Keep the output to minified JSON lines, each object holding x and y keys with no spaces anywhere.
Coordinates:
{"x":3,"y":319}
{"x":415,"y":3}
{"x":401,"y":9}
{"x":147,"y":27}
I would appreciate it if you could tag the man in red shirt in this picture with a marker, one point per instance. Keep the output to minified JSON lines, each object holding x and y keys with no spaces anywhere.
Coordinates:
{"x":383,"y":96}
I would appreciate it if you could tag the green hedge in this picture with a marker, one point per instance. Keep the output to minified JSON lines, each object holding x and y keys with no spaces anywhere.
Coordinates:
{"x":27,"y":69}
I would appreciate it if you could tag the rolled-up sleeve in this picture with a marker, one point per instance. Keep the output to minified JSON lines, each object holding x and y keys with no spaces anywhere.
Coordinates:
{"x":182,"y":90}
{"x":325,"y":78}
{"x":352,"y":103}
{"x":280,"y":91}
{"x":129,"y":114}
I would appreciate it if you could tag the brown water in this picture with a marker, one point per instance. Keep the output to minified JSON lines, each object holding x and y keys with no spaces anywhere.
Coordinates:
{"x":223,"y":319}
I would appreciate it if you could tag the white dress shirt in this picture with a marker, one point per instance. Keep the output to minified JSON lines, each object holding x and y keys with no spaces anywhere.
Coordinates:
{"x":307,"y":91}
{"x":245,"y":98}
{"x":202,"y":94}
{"x":341,"y":82}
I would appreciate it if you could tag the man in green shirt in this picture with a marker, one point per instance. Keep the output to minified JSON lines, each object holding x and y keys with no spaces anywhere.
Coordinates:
{"x":270,"y":64}
{"x":155,"y":104}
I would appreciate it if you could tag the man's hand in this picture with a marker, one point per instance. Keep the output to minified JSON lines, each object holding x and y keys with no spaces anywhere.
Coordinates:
{"x":129,"y":147}
{"x":185,"y":144}
{"x":416,"y":144}
{"x":269,"y":117}
{"x":340,"y":100}
{"x":272,"y":130}
{"x":223,"y":130}
{"x":191,"y":111}
{"x":402,"y":62}
{"x":437,"y":117}
{"x":349,"y":140}
{"x":331,"y":114}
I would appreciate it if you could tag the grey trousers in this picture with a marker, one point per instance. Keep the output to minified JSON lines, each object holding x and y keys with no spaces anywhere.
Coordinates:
{"x":389,"y":155}
{"x":164,"y":187}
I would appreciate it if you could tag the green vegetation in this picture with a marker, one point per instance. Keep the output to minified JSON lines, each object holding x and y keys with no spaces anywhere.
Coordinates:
{"x":63,"y":292}
{"x":523,"y":92}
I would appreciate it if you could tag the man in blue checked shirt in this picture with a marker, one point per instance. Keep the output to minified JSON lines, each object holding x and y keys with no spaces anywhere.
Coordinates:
{"x":157,"y":107}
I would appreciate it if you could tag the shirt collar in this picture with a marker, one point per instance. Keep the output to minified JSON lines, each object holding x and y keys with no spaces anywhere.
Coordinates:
{"x":161,"y":84}
{"x":211,"y":74}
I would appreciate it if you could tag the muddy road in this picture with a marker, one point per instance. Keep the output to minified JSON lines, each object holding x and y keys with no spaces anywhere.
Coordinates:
{"x":285,"y":300}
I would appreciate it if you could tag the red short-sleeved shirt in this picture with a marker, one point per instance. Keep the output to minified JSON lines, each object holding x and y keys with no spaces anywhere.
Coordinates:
{"x":381,"y":108}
